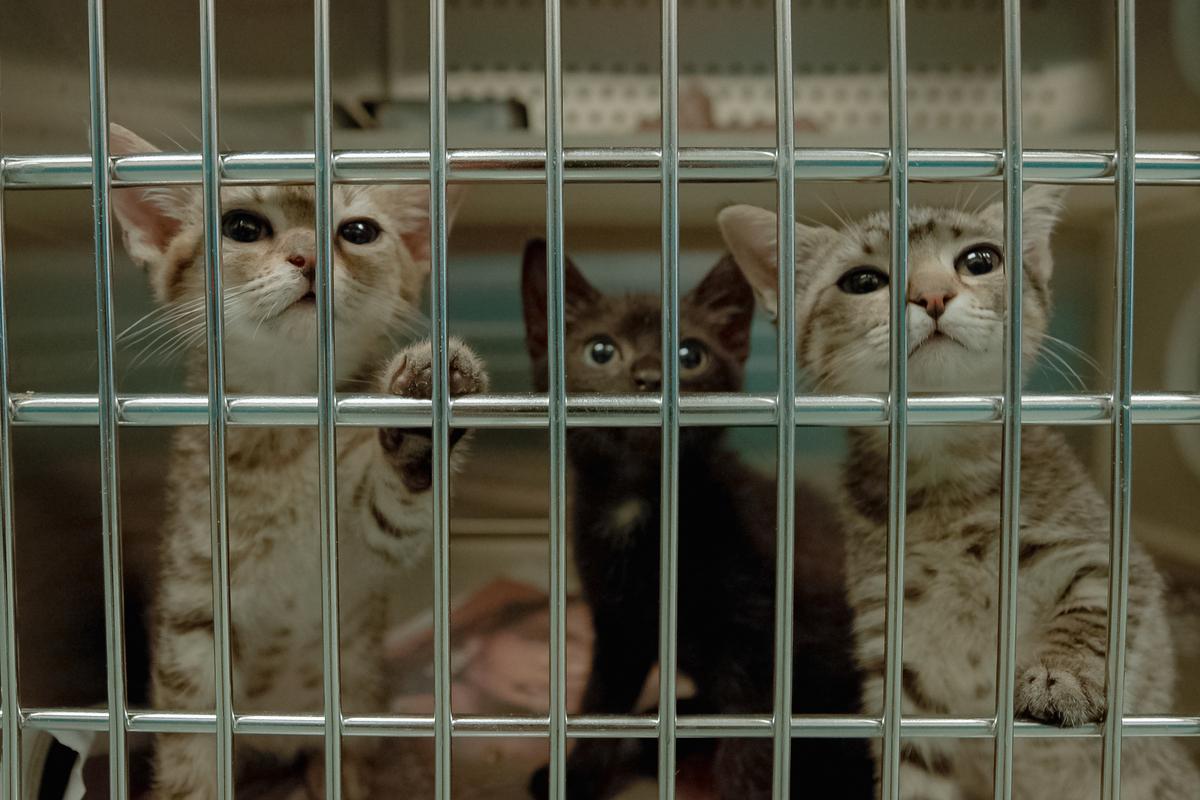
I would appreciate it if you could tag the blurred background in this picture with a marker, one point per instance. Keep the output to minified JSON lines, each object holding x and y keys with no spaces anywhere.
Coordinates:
{"x":611,"y":84}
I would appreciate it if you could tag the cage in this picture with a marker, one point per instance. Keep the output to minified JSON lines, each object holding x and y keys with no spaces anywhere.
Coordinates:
{"x":616,"y":129}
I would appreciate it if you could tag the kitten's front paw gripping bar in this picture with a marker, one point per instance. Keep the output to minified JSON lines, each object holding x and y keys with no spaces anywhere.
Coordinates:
{"x":410,"y":374}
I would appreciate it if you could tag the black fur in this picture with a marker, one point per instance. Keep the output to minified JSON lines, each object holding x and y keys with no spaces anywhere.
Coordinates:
{"x":726,"y":562}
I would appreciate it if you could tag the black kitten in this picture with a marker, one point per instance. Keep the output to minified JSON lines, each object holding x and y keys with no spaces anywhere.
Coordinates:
{"x":726,"y":547}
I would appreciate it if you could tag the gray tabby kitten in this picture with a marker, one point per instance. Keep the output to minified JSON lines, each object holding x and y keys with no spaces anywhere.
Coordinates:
{"x":380,"y":264}
{"x":956,"y":309}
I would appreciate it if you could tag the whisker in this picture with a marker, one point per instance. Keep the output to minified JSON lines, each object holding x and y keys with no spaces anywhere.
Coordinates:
{"x":841,"y":220}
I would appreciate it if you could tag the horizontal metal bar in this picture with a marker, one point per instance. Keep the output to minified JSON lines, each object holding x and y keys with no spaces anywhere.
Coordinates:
{"x":596,"y":726}
{"x":608,"y":411}
{"x":599,"y":165}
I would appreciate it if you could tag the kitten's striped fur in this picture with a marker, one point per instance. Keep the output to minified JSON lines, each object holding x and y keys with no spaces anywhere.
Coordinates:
{"x":952,"y":532}
{"x":385,"y":508}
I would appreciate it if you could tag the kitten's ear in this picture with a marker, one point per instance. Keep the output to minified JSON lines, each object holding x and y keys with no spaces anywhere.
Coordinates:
{"x":578,"y":294}
{"x":751,"y":233}
{"x":1041,"y":207}
{"x":150,"y":217}
{"x":412,"y":210}
{"x":727,"y":302}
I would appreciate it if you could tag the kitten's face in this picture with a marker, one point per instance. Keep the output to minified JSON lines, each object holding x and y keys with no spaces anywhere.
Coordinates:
{"x":613,"y":342}
{"x":268,"y":260}
{"x":956,"y":293}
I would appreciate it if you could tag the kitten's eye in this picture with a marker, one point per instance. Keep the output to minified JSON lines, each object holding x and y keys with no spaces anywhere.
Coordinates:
{"x":862,"y":280}
{"x":359,"y":231}
{"x":692,"y":355}
{"x":978,"y":260}
{"x":244,"y":226}
{"x":600,"y":350}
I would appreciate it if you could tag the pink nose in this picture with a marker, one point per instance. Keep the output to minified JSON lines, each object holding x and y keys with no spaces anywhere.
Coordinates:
{"x":300,"y":261}
{"x":933,"y":301}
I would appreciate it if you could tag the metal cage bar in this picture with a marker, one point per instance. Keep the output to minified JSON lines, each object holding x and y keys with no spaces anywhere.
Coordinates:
{"x":110,"y":491}
{"x":785,"y":523}
{"x":443,"y":711}
{"x":531,"y":411}
{"x":897,"y":400}
{"x":669,"y":165}
{"x":215,"y":326}
{"x":557,"y":400}
{"x":326,"y":400}
{"x":1122,"y":431}
{"x":599,"y":726}
{"x":1010,"y":502}
{"x":668,"y":644}
{"x":10,"y":706}
{"x":606,"y":165}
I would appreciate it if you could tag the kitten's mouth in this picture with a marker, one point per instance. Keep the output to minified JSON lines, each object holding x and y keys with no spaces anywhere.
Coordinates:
{"x":936,"y":338}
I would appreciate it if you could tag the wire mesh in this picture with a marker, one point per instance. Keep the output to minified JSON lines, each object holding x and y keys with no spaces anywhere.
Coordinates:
{"x":669,"y":165}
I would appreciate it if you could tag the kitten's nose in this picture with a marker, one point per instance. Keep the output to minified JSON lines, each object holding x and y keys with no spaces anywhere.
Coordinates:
{"x":306,"y":264}
{"x":933,"y":301}
{"x":647,"y":374}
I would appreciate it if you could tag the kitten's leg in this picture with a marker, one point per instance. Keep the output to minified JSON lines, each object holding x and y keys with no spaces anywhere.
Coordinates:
{"x":925,"y":773}
{"x":926,"y":766}
{"x":1064,"y":683}
{"x":621,"y":660}
{"x":182,"y":680}
{"x":363,"y":692}
{"x":392,"y":495}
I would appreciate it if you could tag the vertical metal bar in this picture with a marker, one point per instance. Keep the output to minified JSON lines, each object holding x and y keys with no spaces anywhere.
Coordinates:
{"x":1010,"y":509}
{"x":556,"y":336}
{"x":897,"y":399}
{"x":110,"y":492}
{"x":1122,"y":431}
{"x":669,"y":486}
{"x":785,"y":524}
{"x":215,"y":318}
{"x":442,"y":716}
{"x":10,"y":706}
{"x":326,"y":388}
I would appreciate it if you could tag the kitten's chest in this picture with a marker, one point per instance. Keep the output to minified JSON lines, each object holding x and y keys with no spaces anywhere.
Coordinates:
{"x":950,"y":616}
{"x":950,"y":624}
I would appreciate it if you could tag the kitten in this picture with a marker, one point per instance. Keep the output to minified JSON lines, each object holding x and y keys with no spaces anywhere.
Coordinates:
{"x":726,"y":545}
{"x":956,"y":291}
{"x":381,"y":260}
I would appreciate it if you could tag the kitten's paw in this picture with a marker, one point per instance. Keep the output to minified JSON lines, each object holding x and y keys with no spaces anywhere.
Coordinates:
{"x":410,"y":374}
{"x":1060,"y":691}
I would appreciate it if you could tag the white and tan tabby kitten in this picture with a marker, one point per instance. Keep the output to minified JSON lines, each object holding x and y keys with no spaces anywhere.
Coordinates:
{"x":956,"y":307}
{"x":380,"y":264}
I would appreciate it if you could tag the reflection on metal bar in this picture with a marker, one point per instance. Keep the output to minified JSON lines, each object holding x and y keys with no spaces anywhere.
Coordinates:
{"x":668,"y":644}
{"x":326,"y":402}
{"x":438,"y":163}
{"x":10,"y":709}
{"x":600,"y":726}
{"x":110,"y":489}
{"x":785,"y":484}
{"x":557,"y":402}
{"x":604,"y":165}
{"x":215,"y":321}
{"x":636,"y":411}
{"x":1010,"y":503}
{"x":897,"y":394}
{"x":1122,"y":432}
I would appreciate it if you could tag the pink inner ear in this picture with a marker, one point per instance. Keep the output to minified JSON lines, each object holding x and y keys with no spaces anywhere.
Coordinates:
{"x":145,"y":219}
